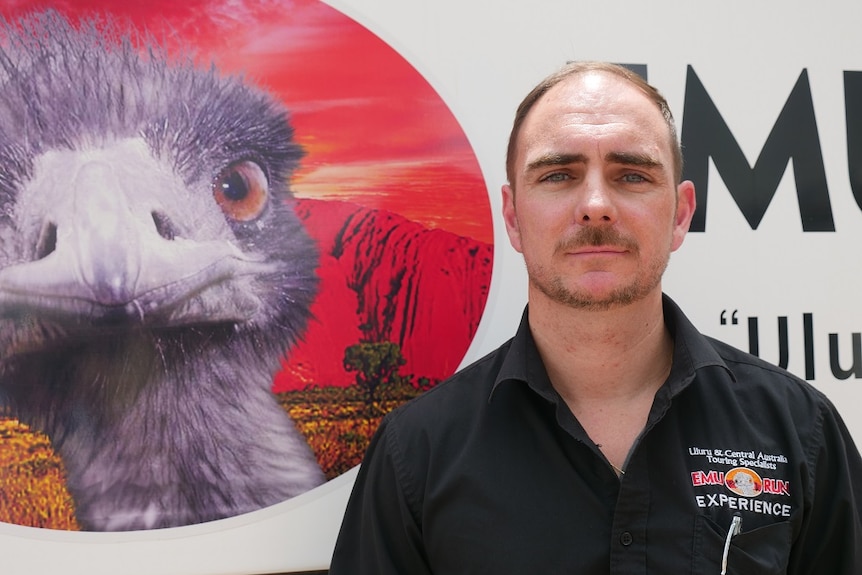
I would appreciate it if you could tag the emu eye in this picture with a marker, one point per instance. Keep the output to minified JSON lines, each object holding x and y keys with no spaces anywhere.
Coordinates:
{"x":241,"y":191}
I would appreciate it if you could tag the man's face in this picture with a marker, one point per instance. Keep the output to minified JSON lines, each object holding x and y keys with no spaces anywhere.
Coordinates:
{"x":594,"y":208}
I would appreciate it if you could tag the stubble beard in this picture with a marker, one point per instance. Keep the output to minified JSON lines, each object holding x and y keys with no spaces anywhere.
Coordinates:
{"x":554,"y":285}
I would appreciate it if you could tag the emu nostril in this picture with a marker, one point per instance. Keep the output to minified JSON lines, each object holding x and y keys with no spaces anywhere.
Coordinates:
{"x":164,"y":226}
{"x":47,"y":241}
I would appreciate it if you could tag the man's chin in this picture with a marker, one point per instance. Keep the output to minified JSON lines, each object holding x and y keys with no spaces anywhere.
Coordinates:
{"x":595,"y":299}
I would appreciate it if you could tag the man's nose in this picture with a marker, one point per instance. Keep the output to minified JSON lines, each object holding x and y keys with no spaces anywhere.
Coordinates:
{"x":596,"y":203}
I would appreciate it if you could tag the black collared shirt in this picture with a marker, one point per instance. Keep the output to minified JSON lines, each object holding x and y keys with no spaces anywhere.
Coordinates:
{"x":489,"y":472}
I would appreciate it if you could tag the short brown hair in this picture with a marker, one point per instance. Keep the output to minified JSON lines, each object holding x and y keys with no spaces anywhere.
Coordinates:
{"x":573,"y":69}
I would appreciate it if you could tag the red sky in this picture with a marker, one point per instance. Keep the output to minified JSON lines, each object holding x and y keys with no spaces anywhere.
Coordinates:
{"x":374,"y":131}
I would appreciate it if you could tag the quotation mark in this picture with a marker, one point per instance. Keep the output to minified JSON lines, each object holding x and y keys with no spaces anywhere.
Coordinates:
{"x":733,"y":319}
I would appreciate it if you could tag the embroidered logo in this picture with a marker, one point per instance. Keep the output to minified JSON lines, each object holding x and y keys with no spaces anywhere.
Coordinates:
{"x":741,"y":486}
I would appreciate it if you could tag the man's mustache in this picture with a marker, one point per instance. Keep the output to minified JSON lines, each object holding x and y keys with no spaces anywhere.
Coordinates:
{"x":595,"y":237}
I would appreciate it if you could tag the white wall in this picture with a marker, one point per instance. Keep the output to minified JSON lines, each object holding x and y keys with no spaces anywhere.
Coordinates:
{"x":482,"y":56}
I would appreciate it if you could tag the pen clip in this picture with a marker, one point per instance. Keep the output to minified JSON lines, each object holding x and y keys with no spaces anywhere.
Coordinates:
{"x":735,"y":528}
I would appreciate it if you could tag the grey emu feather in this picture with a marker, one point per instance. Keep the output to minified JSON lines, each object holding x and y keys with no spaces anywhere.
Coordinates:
{"x":141,"y":319}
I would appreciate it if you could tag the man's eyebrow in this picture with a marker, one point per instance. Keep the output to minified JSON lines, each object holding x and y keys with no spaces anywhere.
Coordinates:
{"x":556,"y":160}
{"x":633,"y":159}
{"x":625,"y":158}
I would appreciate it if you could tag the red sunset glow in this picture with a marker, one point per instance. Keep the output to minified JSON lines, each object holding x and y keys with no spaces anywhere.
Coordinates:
{"x":374,"y":130}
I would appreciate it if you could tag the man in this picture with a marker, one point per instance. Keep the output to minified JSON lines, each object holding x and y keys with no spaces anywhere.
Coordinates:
{"x":605,"y":436}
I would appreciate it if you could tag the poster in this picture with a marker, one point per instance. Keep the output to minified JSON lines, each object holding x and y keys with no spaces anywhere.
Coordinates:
{"x":235,"y":235}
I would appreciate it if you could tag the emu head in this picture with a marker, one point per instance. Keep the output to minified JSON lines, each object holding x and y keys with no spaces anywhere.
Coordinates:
{"x":145,"y":219}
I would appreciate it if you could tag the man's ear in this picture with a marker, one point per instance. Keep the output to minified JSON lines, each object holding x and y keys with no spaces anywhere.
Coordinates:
{"x":510,"y":217}
{"x":686,"y":203}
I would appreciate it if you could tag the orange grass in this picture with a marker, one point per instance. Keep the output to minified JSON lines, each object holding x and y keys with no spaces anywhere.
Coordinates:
{"x":32,"y":480}
{"x":337,"y":423}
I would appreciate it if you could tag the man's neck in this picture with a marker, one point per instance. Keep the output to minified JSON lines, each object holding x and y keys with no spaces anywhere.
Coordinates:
{"x":606,"y":365}
{"x":602,"y":354}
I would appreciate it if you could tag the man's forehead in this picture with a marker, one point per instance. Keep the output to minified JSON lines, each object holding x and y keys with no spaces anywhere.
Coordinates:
{"x":589,"y":85}
{"x":597,"y":92}
{"x":594,"y":107}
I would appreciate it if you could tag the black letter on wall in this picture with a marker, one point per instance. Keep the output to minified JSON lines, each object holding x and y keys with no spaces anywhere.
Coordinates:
{"x":853,"y":112}
{"x":794,"y":136}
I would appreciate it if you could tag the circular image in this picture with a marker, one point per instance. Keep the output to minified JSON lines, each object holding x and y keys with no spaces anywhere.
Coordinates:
{"x":743,"y":481}
{"x":233,"y":235}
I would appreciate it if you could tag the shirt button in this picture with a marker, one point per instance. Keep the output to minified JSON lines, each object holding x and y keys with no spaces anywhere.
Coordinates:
{"x":626,"y":538}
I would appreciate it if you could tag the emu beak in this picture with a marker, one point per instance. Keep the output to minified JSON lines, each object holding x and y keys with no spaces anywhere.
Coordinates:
{"x":104,"y":257}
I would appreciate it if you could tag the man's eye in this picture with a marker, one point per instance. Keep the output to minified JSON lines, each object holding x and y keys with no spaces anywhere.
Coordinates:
{"x":555,"y":177}
{"x":633,"y":178}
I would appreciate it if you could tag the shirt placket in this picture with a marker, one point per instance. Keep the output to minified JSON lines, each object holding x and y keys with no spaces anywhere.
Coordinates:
{"x":629,"y":529}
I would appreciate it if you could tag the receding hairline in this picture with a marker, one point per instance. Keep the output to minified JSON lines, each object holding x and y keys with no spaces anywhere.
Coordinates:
{"x":573,"y":69}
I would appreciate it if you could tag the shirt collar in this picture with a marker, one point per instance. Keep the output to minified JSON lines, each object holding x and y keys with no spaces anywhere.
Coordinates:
{"x":692,"y":351}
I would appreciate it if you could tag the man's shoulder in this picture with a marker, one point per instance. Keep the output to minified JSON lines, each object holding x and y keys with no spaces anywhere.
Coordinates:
{"x":752,"y":374}
{"x":460,"y":396}
{"x":704,"y":351}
